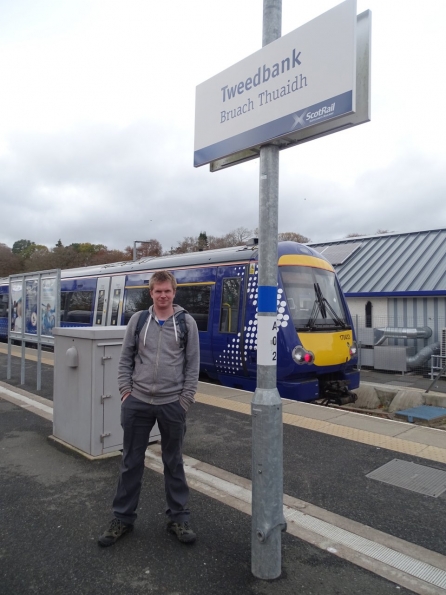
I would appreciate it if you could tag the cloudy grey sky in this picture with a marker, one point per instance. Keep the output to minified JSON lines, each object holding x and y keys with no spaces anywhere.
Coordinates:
{"x":97,"y":124}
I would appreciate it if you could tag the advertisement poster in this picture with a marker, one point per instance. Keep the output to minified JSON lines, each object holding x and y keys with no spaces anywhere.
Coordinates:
{"x":48,"y":306}
{"x":16,"y":307}
{"x":31,"y":307}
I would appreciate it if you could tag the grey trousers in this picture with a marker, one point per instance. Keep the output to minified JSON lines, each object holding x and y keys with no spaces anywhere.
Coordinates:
{"x":137,"y":420}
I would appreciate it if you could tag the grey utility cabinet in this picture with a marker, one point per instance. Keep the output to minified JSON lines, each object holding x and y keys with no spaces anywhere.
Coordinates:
{"x":87,"y":403}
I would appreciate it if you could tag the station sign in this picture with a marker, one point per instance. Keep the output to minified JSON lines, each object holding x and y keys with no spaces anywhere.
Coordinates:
{"x":299,"y":81}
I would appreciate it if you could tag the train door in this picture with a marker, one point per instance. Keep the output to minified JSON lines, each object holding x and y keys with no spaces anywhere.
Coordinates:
{"x":114,"y":312}
{"x":109,"y":300}
{"x":227,"y":327}
{"x":101,"y":301}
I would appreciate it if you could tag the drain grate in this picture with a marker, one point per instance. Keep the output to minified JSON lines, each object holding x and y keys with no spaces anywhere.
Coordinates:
{"x":410,"y":476}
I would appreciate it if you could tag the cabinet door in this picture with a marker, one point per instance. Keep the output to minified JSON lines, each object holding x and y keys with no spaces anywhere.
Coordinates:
{"x":111,"y":399}
{"x":112,"y":434}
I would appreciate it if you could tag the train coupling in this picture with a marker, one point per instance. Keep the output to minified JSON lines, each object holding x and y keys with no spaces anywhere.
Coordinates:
{"x":335,"y":392}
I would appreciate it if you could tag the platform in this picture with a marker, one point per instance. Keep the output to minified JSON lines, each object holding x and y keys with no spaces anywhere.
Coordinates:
{"x":345,"y":528}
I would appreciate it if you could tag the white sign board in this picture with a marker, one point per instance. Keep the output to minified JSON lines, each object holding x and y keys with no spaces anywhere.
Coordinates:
{"x":300,"y":80}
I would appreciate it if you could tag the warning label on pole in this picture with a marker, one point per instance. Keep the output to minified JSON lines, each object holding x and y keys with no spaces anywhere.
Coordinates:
{"x":266,"y":340}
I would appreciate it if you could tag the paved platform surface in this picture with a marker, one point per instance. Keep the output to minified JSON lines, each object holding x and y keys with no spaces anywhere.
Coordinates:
{"x":55,"y":503}
{"x":408,"y":380}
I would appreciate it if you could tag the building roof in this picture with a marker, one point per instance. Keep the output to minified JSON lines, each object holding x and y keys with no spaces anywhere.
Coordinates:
{"x":412,"y":263}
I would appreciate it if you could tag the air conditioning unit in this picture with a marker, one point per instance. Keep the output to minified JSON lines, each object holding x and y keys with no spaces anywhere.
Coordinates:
{"x":442,"y":359}
{"x":443,"y":342}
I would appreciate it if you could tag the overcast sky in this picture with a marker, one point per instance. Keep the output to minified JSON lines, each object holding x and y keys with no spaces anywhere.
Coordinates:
{"x":97,"y":124}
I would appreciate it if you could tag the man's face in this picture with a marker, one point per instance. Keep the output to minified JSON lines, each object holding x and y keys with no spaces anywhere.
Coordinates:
{"x":162,"y":295}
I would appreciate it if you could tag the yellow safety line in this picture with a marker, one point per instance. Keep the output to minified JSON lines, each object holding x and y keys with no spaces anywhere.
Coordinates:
{"x":423,"y":451}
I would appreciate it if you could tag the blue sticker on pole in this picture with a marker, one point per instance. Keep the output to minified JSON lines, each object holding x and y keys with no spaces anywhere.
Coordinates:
{"x":267,"y":298}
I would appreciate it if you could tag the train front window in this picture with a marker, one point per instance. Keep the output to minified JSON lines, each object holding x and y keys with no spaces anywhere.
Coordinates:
{"x":313,"y":298}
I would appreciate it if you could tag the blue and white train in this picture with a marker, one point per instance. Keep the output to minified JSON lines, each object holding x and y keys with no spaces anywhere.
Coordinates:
{"x":316,"y":349}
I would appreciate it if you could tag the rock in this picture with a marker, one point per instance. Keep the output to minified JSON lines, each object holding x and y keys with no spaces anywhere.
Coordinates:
{"x":406,"y":399}
{"x":385,"y":397}
{"x":367,"y":397}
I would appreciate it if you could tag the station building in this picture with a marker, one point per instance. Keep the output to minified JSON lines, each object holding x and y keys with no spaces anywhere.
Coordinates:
{"x":395,"y":285}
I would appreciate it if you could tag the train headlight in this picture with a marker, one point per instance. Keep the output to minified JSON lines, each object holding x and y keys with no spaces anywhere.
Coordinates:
{"x":302,"y":356}
{"x":353,"y":349}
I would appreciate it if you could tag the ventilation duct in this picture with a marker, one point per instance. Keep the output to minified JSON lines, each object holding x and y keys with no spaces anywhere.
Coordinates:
{"x":381,"y":334}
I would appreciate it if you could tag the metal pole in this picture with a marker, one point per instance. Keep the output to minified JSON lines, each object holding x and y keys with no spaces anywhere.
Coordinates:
{"x":23,"y":344}
{"x":23,"y":360}
{"x":134,"y":251}
{"x":266,"y":406}
{"x":8,"y":367}
{"x":39,"y":331}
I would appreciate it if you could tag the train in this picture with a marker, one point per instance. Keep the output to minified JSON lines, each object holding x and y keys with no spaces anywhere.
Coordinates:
{"x":316,"y":346}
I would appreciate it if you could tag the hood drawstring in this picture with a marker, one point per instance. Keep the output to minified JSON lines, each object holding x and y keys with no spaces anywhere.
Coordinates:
{"x":175,"y":327}
{"x":147,"y":328}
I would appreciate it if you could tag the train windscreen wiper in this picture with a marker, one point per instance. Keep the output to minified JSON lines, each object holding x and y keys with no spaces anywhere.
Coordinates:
{"x":321,"y":304}
{"x":318,"y":306}
{"x":327,"y":304}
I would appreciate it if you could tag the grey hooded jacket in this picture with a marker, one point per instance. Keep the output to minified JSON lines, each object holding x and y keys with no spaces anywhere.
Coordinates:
{"x":164,"y":372}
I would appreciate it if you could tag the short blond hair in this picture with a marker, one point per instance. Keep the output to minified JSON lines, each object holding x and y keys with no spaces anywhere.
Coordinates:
{"x":162,"y":277}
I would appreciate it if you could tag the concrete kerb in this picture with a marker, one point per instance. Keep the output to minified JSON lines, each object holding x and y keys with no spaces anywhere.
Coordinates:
{"x":389,"y":399}
{"x":405,"y":399}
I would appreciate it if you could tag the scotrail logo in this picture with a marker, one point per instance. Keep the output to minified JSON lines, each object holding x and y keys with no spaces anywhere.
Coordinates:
{"x":299,"y":121}
{"x":309,"y":117}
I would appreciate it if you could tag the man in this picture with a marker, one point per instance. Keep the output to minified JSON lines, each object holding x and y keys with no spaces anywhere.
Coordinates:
{"x":156,"y":384}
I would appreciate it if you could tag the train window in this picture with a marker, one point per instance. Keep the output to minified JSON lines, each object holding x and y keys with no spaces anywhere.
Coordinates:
{"x":299,"y":285}
{"x":196,"y":300}
{"x":76,"y":306}
{"x":230,"y":301}
{"x":136,"y":298}
{"x":4,"y":304}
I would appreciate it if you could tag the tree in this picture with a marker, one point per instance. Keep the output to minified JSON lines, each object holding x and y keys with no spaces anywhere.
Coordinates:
{"x":10,"y":263}
{"x":202,"y":242}
{"x":86,"y":251}
{"x":189,"y":244}
{"x":108,"y":257}
{"x":40,"y":259}
{"x":220,"y":242}
{"x":354,"y":235}
{"x":239,"y":235}
{"x":291,"y":236}
{"x":144,"y":249}
{"x":22,"y":247}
